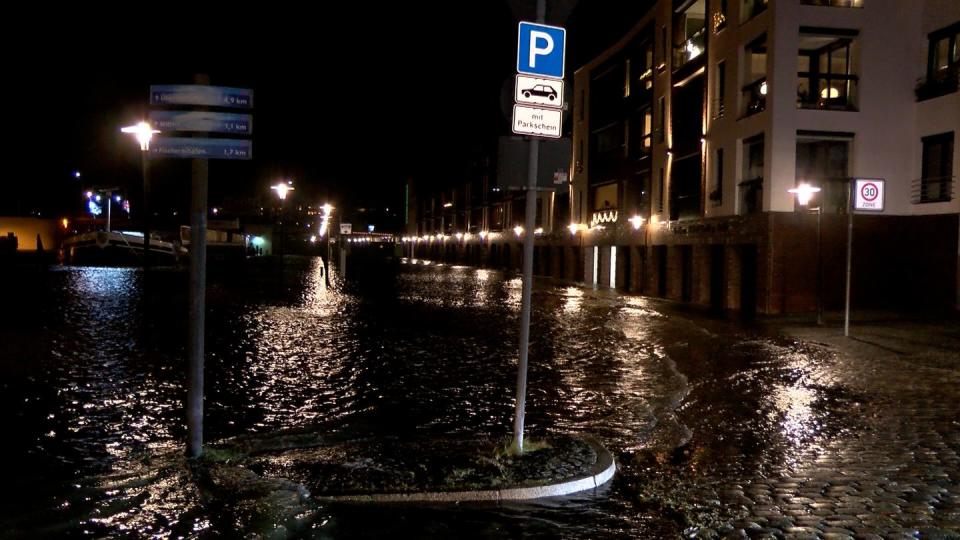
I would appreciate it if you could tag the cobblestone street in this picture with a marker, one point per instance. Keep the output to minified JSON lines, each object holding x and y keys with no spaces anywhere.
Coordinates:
{"x":820,"y":436}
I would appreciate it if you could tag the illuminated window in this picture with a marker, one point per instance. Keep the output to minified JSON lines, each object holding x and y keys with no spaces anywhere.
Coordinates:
{"x":826,"y":70}
{"x":689,"y":33}
{"x":755,"y":77}
{"x":943,"y":64}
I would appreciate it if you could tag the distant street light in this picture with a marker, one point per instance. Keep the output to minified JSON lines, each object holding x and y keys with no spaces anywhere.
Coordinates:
{"x":144,"y":132}
{"x":805,"y":193}
{"x":282,"y":188}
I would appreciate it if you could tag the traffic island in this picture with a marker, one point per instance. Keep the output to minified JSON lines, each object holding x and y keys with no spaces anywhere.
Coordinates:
{"x":280,"y":474}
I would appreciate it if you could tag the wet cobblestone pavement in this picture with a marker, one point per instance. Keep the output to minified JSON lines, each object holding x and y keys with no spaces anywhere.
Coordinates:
{"x":821,"y":438}
{"x":719,"y":429}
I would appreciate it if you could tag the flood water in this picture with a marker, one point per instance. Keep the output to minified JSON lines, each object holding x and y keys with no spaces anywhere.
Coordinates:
{"x":92,"y":376}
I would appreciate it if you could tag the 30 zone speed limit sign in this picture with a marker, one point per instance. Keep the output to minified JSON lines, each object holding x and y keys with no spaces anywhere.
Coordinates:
{"x":868,"y":195}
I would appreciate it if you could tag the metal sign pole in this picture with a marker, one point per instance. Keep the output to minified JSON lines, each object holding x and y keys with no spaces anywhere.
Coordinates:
{"x":198,"y":291}
{"x":846,"y":315}
{"x":145,"y":163}
{"x":819,"y":268}
{"x":530,"y":226}
{"x":109,"y":206}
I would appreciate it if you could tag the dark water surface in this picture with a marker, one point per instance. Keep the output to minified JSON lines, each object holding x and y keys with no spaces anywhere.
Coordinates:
{"x":92,"y":375}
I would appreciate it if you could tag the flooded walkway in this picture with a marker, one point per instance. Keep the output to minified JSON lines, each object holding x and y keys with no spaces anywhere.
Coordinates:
{"x":719,"y":429}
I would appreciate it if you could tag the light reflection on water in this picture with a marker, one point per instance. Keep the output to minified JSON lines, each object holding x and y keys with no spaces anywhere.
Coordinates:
{"x":424,"y":349}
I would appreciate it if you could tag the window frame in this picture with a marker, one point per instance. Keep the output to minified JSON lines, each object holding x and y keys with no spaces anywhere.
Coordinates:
{"x":946,"y":159}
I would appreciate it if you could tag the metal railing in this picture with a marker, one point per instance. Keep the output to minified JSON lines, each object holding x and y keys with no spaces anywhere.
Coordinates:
{"x":755,"y":97}
{"x":938,"y":84}
{"x":932,"y":190}
{"x":834,"y":3}
{"x":752,"y":8}
{"x":718,"y":110}
{"x":689,"y":49}
{"x":830,"y":92}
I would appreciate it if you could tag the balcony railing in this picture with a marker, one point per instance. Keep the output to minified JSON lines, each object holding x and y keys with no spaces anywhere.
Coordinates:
{"x":833,"y":3}
{"x":718,"y":109}
{"x":932,"y":190}
{"x":755,"y":97}
{"x":751,"y":196}
{"x":829,"y":92}
{"x":939,"y":84}
{"x":689,"y":49}
{"x":752,"y":8}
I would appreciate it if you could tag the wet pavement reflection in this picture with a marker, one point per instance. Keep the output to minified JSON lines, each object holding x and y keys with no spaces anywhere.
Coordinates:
{"x":700,"y":413}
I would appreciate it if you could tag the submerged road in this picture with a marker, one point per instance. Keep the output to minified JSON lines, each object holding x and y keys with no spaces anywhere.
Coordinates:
{"x":720,"y":429}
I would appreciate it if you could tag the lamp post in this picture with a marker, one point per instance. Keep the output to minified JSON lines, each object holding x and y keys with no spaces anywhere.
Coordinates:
{"x":144,"y":132}
{"x":282,"y":190}
{"x":804,"y":193}
{"x":325,"y":230}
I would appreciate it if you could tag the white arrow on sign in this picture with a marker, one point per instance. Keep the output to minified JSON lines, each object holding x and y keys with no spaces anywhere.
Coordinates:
{"x":536,"y":91}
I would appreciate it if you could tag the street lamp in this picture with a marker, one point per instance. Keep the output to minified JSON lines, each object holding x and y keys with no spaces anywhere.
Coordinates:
{"x":282,"y":189}
{"x":804,"y":193}
{"x":144,"y":132}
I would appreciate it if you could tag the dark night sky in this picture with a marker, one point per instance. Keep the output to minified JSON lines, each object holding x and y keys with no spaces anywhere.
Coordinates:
{"x":349,"y":101}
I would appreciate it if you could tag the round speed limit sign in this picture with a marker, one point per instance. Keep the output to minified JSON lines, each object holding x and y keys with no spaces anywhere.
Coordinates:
{"x":868,"y":195}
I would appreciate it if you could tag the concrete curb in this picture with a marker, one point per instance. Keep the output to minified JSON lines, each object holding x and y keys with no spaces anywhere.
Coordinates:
{"x":600,"y":474}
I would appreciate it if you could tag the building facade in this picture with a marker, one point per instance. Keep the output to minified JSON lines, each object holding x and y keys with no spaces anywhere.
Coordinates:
{"x":690,"y":132}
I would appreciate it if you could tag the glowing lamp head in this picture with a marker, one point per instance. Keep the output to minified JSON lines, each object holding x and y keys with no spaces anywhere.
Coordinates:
{"x":804,"y":193}
{"x":282,"y":189}
{"x":143,"y":132}
{"x":518,"y":230}
{"x":637,"y":222}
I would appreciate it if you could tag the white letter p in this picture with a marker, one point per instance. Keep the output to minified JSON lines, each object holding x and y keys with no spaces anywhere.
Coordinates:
{"x":536,"y":50}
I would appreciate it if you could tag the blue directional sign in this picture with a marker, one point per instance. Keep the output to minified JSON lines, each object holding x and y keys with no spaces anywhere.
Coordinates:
{"x":212,"y":122}
{"x":183,"y":147}
{"x":206,"y":96}
{"x":540,"y":50}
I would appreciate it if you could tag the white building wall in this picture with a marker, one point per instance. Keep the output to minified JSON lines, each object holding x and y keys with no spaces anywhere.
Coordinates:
{"x":662,"y":85}
{"x":887,"y":127}
{"x":938,"y":115}
{"x":888,"y":122}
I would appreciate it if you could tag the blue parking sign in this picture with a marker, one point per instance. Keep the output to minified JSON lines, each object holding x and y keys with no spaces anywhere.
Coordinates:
{"x":540,"y":50}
